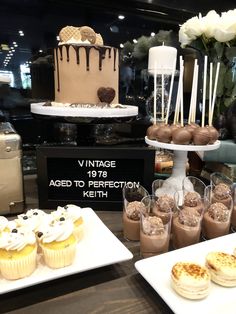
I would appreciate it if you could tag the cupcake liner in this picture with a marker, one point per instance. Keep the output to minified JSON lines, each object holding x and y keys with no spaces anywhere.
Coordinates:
{"x":20,"y":267}
{"x":59,"y":258}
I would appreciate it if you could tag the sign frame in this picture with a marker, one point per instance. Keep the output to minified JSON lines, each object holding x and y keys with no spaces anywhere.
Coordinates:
{"x":147,"y":154}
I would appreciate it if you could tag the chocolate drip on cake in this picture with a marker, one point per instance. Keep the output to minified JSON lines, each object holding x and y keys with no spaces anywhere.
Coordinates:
{"x":58,"y":78}
{"x":60,"y":49}
{"x":115,"y":53}
{"x":67,"y":53}
{"x":77,"y":54}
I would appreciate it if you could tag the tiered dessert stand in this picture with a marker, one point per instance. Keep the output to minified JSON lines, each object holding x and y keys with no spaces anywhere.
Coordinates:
{"x":174,"y":182}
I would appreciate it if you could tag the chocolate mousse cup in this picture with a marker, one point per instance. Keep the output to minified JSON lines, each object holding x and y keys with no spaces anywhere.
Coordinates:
{"x":131,"y":211}
{"x":154,"y":232}
{"x":186,"y":228}
{"x":216,"y":221}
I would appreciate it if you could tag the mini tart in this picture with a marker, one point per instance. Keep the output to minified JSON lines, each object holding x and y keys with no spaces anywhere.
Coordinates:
{"x":58,"y":254}
{"x":16,"y":264}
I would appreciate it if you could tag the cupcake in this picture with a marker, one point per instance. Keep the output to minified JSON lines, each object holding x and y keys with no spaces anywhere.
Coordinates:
{"x":18,"y":252}
{"x":58,"y":243}
{"x":32,"y":219}
{"x":74,"y":213}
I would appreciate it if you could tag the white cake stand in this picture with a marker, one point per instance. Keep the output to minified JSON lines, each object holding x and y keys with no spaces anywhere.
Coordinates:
{"x":84,"y":112}
{"x":174,"y":182}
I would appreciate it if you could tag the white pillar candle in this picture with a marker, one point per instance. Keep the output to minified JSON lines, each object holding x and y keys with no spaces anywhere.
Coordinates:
{"x":161,"y":59}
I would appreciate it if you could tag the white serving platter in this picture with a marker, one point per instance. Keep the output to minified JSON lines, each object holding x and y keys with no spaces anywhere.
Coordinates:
{"x":157,"y":271}
{"x":99,"y":247}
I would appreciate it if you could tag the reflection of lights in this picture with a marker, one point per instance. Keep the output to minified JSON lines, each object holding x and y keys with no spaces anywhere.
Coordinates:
{"x":21,"y":33}
{"x":153,"y":34}
{"x":15,"y":45}
{"x":121,"y":46}
{"x":40,"y":50}
{"x":58,"y":38}
{"x":135,"y":41}
{"x":121,"y":17}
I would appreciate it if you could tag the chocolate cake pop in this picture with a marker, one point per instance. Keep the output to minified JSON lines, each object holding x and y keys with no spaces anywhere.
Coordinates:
{"x":175,"y":127}
{"x":214,"y":134}
{"x":181,"y":136}
{"x":164,"y":134}
{"x":152,"y":131}
{"x":191,"y":127}
{"x":201,"y":136}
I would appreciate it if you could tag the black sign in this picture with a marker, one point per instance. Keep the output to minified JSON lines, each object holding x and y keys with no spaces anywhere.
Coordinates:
{"x":91,"y":177}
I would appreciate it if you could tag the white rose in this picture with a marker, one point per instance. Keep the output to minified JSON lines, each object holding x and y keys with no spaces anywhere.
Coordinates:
{"x":183,"y":38}
{"x":194,"y":27}
{"x":209,"y":23}
{"x":226,"y":28}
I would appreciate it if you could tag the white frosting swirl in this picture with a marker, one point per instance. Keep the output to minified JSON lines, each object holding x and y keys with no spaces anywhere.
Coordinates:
{"x":3,"y":223}
{"x":17,"y":241}
{"x":70,"y":211}
{"x":56,"y":231}
{"x":32,"y":219}
{"x":72,"y":41}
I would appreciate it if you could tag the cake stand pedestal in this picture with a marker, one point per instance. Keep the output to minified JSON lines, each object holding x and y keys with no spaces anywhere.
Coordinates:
{"x":174,"y":182}
{"x":82,"y":125}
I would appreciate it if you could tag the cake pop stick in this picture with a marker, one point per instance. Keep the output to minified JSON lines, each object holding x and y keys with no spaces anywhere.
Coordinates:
{"x":214,"y":92}
{"x":162,"y":96}
{"x":195,"y":96}
{"x":204,"y":91}
{"x":182,"y":99}
{"x":210,"y":92}
{"x":177,"y":105}
{"x":192,"y":92}
{"x":155,"y":97}
{"x":170,"y":91}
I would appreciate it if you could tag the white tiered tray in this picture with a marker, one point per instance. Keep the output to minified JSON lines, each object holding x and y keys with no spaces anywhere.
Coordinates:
{"x":95,"y":112}
{"x":174,"y":182}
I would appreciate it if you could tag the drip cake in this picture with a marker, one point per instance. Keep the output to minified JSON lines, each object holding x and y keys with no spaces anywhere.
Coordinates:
{"x":86,"y":76}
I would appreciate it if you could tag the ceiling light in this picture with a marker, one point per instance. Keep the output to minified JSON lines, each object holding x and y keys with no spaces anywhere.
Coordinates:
{"x":40,"y":50}
{"x":58,"y":38}
{"x":152,"y":34}
{"x":15,"y":45}
{"x":21,"y":34}
{"x":135,"y":41}
{"x":121,"y":46}
{"x":121,"y":17}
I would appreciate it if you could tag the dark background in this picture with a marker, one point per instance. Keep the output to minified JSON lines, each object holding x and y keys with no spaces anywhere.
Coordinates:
{"x":41,"y":20}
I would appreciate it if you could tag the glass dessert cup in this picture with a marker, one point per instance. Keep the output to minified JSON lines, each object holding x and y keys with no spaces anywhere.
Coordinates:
{"x":187,"y":220}
{"x":217,"y":218}
{"x":233,"y":216}
{"x":218,"y":177}
{"x":154,"y":230}
{"x":193,"y":184}
{"x":131,"y":211}
{"x":156,"y":184}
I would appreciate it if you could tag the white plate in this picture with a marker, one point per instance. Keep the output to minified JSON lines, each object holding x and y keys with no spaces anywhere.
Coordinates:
{"x":99,"y":247}
{"x":194,"y":148}
{"x":157,"y":270}
{"x":126,"y":111}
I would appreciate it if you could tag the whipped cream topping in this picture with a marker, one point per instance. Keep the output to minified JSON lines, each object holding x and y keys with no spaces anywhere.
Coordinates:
{"x":3,"y":223}
{"x":72,"y":212}
{"x":17,"y":240}
{"x":32,"y":219}
{"x":72,"y":41}
{"x":56,"y":231}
